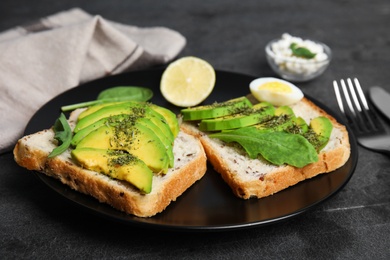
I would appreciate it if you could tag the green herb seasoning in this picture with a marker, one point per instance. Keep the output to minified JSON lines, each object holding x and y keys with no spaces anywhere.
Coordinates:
{"x":313,"y":138}
{"x":120,"y":158}
{"x":294,"y":129}
{"x":276,"y":121}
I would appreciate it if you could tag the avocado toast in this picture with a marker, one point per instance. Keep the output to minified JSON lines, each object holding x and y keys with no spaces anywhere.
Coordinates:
{"x":254,"y":176}
{"x":182,"y":153}
{"x":120,"y":158}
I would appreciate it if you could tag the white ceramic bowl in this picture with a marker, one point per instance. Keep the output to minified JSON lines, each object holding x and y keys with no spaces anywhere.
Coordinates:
{"x":297,"y":69}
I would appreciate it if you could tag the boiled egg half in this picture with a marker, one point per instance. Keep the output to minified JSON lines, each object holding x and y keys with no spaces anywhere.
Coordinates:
{"x":275,"y":91}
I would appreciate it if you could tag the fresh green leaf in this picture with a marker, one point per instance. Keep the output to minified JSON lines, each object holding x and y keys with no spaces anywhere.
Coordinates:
{"x":125,"y":93}
{"x":301,"y":52}
{"x":276,"y":147}
{"x":63,"y":134}
{"x":115,"y":94}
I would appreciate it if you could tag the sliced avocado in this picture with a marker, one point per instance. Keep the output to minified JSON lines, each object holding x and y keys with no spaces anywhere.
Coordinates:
{"x":297,"y":125}
{"x":301,"y":123}
{"x":88,"y":129}
{"x":258,"y":113}
{"x":319,"y":132}
{"x":169,"y":116}
{"x":115,"y":120}
{"x":282,"y":120}
{"x":107,"y":111}
{"x":168,"y":144}
{"x":95,"y":108}
{"x":116,"y":164}
{"x":276,"y":123}
{"x":284,"y":110}
{"x":138,"y":109}
{"x":136,"y":139}
{"x":154,"y":117}
{"x":215,"y":110}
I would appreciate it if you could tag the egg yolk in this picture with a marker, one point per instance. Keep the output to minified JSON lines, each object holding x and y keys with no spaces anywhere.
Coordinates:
{"x":275,"y":87}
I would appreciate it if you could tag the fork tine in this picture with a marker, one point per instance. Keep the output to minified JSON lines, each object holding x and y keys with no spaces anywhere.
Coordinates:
{"x":361,"y":94}
{"x":355,"y":119}
{"x":347,"y":98}
{"x":350,"y":118}
{"x":364,"y":120}
{"x":370,"y":125}
{"x":338,"y":96}
{"x":370,"y":114}
{"x":354,"y":97}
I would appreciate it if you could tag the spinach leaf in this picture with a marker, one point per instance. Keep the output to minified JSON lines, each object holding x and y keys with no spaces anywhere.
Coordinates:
{"x":63,"y":134}
{"x":301,"y":51}
{"x":115,"y":94}
{"x":276,"y":147}
{"x":122,"y":92}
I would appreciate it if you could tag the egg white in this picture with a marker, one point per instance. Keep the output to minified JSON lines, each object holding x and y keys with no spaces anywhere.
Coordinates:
{"x":274,"y":96}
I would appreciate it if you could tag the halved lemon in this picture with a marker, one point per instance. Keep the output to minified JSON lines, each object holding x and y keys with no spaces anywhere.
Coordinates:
{"x":187,"y":81}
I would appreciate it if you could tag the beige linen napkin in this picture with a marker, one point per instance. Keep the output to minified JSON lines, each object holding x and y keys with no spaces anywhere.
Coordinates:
{"x":41,"y":60}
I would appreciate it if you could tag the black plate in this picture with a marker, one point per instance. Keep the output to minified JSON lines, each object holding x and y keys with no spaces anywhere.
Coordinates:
{"x":209,"y":204}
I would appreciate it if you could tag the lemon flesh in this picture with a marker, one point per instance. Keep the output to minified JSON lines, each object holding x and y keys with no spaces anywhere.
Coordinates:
{"x":187,"y":81}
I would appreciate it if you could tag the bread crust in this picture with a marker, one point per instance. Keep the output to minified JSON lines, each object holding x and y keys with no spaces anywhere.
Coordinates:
{"x":277,"y":178}
{"x":32,"y":152}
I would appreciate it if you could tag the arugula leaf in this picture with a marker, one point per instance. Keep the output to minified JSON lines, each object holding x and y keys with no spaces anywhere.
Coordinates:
{"x":63,"y":134}
{"x":302,"y":52}
{"x":115,"y":94}
{"x":276,"y":147}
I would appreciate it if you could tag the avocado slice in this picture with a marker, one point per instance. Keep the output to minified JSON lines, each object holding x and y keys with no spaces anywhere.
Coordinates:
{"x":88,"y":129}
{"x":116,"y":164}
{"x":258,"y":113}
{"x":169,"y":116}
{"x":319,"y":132}
{"x":297,"y":125}
{"x":134,"y":108}
{"x":168,"y":144}
{"x":301,"y":124}
{"x":120,"y":119}
{"x":95,"y":108}
{"x":284,"y":110}
{"x":226,"y":108}
{"x":276,"y":124}
{"x":282,"y":120}
{"x":107,"y":111}
{"x":154,"y":117}
{"x":137,"y":139}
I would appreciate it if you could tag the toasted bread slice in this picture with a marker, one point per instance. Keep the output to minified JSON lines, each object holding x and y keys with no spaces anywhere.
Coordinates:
{"x":256,"y":177}
{"x":32,"y":152}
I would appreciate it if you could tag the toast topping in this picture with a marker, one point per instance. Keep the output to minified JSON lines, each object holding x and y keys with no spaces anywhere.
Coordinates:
{"x":128,"y":141}
{"x":278,"y":136}
{"x":226,"y":108}
{"x":276,"y":91}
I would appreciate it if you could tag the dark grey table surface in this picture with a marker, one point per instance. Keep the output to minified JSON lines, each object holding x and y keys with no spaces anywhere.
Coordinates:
{"x":354,"y":224}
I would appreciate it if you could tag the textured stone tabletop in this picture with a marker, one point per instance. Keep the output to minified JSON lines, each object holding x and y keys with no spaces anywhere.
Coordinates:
{"x":35,"y":223}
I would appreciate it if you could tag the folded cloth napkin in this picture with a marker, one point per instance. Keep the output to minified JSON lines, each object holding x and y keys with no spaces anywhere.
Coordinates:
{"x":40,"y":60}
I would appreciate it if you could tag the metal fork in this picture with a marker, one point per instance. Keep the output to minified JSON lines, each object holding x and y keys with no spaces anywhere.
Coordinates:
{"x":362,"y":118}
